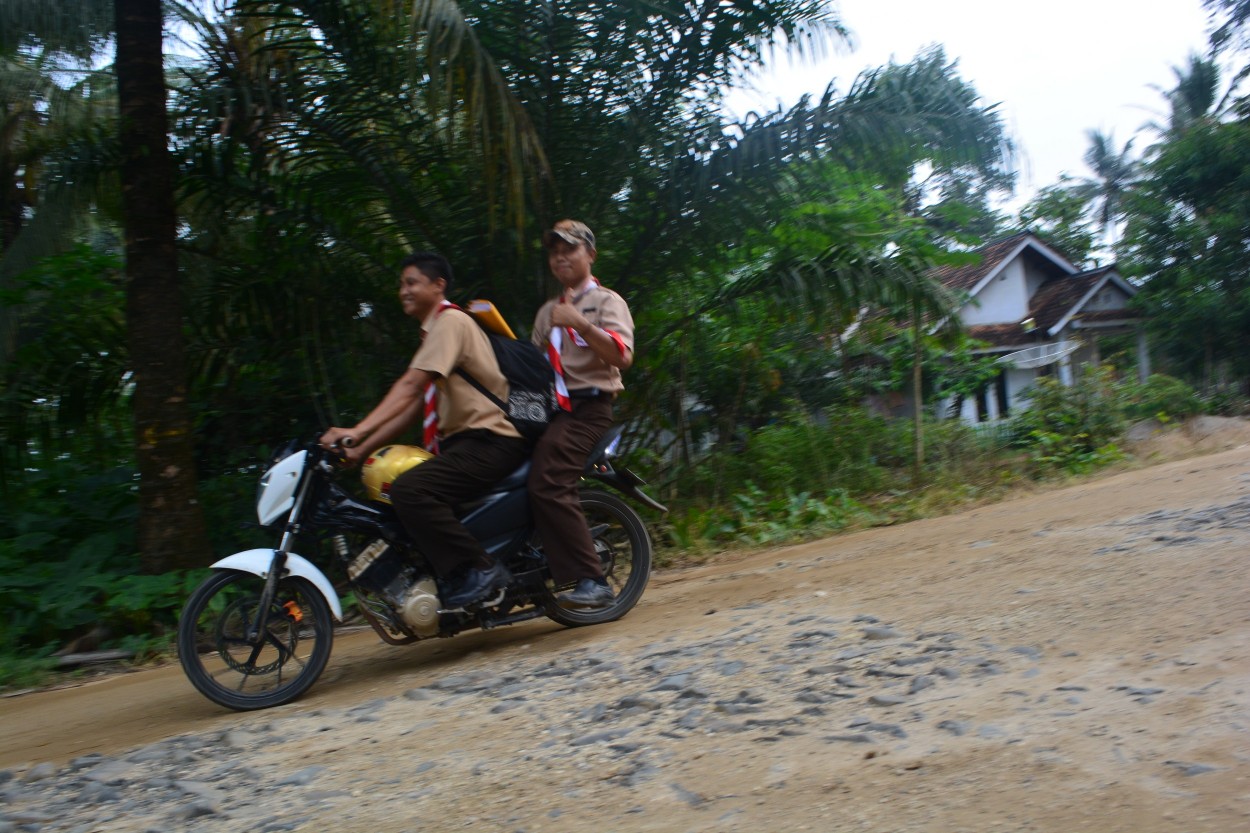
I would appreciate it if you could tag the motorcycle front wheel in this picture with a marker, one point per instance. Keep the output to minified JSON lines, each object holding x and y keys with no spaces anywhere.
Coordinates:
{"x":228,"y":666}
{"x":620,"y":539}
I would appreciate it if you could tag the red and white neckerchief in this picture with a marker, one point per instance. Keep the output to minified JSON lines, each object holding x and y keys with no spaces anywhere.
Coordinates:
{"x":553,"y":356}
{"x":429,"y":430}
{"x":556,"y":342}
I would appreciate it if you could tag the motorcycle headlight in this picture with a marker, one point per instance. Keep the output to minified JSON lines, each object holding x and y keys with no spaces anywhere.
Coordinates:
{"x":263,"y":484}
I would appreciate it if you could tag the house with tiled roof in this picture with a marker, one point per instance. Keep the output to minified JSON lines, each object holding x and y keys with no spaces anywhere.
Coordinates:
{"x":1040,"y":314}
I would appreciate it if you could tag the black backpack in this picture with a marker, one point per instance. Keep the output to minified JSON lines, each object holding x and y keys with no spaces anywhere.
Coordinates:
{"x":531,"y":396}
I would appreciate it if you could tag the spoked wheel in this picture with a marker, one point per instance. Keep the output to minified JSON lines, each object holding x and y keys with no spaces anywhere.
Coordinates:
{"x":238,"y":672}
{"x":621,"y":541}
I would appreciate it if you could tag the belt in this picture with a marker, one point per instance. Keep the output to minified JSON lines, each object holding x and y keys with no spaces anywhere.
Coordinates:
{"x":590,"y":393}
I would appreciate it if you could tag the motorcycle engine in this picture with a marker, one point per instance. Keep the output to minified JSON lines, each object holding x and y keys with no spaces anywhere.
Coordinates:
{"x":383,"y":571}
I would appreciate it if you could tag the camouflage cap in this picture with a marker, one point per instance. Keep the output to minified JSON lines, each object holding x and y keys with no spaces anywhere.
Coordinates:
{"x":569,"y":231}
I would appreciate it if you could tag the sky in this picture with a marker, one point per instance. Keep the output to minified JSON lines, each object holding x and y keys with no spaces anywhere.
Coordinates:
{"x":1056,"y":69}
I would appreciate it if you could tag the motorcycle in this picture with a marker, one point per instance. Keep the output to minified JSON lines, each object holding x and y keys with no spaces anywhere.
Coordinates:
{"x":257,"y":632}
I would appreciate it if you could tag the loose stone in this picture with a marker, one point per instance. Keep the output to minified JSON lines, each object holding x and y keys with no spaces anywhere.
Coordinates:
{"x":303,"y":777}
{"x":955,"y":727}
{"x":886,"y":700}
{"x":920,"y":684}
{"x":691,"y":798}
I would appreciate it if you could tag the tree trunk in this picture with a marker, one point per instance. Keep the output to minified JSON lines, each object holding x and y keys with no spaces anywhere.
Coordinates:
{"x":917,"y":391}
{"x":171,"y":532}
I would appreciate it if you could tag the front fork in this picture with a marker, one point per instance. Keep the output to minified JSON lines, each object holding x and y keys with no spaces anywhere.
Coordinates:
{"x":261,"y":623}
{"x":277,"y":567}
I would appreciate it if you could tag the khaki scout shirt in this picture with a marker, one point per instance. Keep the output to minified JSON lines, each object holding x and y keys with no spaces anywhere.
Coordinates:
{"x":451,"y":339}
{"x":582,"y":368}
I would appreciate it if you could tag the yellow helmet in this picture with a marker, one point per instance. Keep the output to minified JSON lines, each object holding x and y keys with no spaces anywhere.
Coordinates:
{"x":387,"y":463}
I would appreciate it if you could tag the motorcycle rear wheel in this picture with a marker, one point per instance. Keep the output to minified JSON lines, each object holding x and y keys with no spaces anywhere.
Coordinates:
{"x":621,"y":539}
{"x":234,"y":672}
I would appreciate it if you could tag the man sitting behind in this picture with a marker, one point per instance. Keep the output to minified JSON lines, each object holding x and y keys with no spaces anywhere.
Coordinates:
{"x":474,"y":443}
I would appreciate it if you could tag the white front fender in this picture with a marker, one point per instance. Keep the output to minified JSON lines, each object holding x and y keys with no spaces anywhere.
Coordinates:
{"x":258,"y":561}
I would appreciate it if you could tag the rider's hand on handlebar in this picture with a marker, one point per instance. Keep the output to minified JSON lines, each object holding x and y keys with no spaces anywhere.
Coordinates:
{"x":337,"y":439}
{"x":346,"y":444}
{"x":351,"y":457}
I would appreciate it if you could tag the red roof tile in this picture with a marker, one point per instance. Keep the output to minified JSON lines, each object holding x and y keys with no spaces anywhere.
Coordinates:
{"x":1002,"y":335}
{"x":1125,"y":314}
{"x":965,"y":278}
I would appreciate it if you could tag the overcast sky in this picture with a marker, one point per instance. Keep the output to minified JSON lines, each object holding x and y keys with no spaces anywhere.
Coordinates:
{"x":1057,"y":68}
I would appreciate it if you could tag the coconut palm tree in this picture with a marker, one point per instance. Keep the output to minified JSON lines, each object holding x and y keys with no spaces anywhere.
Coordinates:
{"x":1230,"y":18}
{"x":1195,"y":97}
{"x":1114,"y":173}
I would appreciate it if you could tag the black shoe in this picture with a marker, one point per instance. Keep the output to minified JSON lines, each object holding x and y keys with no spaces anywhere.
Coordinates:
{"x":587,"y":593}
{"x":477,"y":585}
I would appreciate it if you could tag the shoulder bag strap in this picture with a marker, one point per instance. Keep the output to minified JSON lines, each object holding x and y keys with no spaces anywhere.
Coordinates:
{"x":482,"y":389}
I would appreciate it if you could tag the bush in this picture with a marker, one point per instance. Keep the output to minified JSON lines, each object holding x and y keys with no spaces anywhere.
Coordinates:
{"x":1072,"y":428}
{"x":808,"y":475}
{"x":1227,"y":401}
{"x":68,"y":566}
{"x":1163,"y":398}
{"x":841,"y":448}
{"x":64,"y":548}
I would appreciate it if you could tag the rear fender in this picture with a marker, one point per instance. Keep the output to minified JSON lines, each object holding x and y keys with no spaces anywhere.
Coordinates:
{"x":625,"y":482}
{"x":257,"y":562}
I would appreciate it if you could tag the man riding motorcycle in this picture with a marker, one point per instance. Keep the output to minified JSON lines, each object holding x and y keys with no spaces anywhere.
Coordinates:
{"x":474,"y":442}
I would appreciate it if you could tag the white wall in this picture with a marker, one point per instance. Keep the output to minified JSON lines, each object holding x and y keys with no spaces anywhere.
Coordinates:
{"x":1109,"y":297}
{"x":1004,"y":299}
{"x":1018,"y":380}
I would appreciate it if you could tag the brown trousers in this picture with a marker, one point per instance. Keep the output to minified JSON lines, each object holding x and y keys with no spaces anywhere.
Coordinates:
{"x":555,"y":471}
{"x":424,"y":496}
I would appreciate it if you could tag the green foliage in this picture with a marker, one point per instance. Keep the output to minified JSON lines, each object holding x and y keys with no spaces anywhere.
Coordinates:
{"x":143,"y":610}
{"x":1231,"y":22}
{"x":798,"y":453}
{"x":1059,"y":214}
{"x":1072,"y":428}
{"x":950,"y":365}
{"x":802,"y":477}
{"x":19,"y":671}
{"x":1114,"y":172}
{"x":1163,"y":398}
{"x":1189,"y":220}
{"x":761,"y":518}
{"x":755,"y":517}
{"x":63,"y":388}
{"x":66,"y":545}
{"x":1226,"y":400}
{"x":67,"y":566}
{"x":1070,"y":452}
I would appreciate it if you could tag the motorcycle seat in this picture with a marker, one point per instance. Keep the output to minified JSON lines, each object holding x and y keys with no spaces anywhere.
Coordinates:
{"x":516,"y":480}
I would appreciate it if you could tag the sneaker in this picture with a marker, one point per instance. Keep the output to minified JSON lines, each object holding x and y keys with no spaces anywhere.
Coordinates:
{"x":587,"y":593}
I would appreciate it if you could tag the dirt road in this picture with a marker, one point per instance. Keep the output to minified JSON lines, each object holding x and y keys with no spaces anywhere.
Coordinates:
{"x":1074,"y":660}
